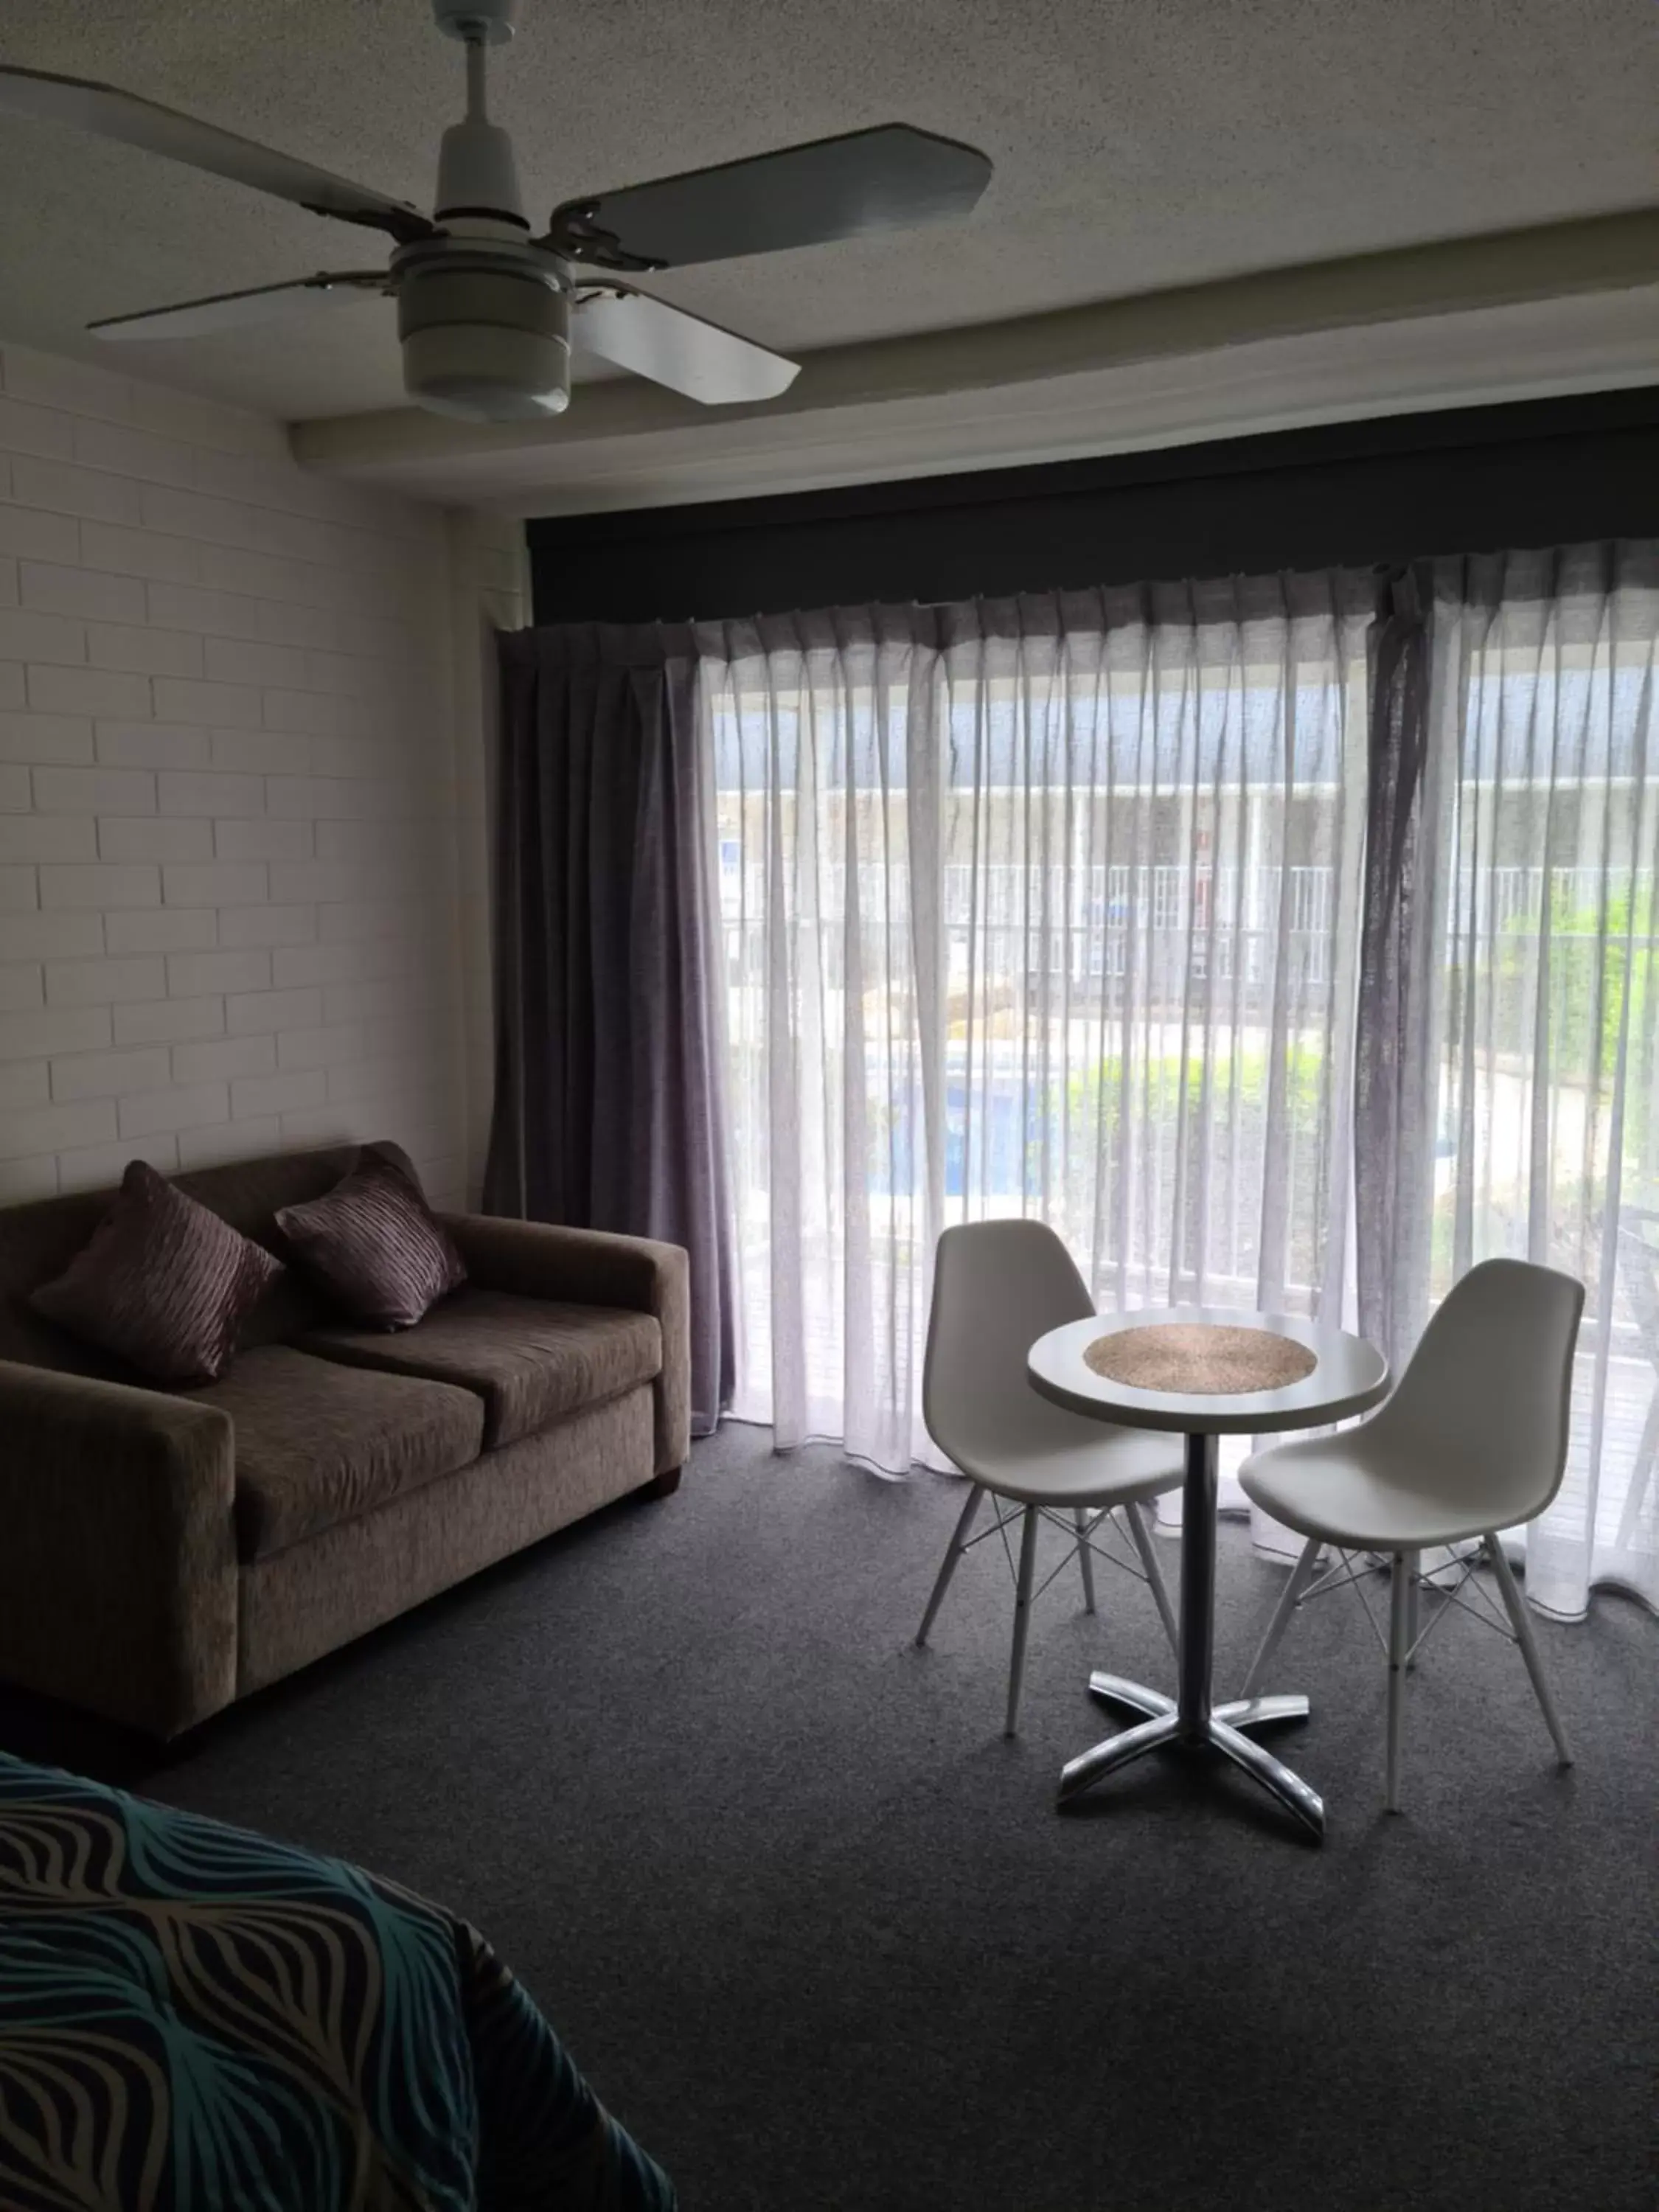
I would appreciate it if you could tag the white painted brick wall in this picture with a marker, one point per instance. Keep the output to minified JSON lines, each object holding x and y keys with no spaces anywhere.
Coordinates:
{"x":489,"y":591}
{"x":236,"y":756}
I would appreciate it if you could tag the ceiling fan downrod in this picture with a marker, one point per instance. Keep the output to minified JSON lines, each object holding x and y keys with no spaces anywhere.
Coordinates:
{"x":478,"y":177}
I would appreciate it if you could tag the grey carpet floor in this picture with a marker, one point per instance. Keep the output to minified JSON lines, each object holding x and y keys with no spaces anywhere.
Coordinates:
{"x":818,"y":1934}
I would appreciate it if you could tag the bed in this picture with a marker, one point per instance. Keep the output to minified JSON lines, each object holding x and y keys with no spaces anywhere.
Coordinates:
{"x":193,"y":2018}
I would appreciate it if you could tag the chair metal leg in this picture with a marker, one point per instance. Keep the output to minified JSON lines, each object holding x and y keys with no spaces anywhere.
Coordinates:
{"x":1412,"y":1587}
{"x":1402,"y":1566}
{"x":1085,"y":1558}
{"x":1290,"y":1597}
{"x":1515,"y":1605}
{"x":953,"y":1552}
{"x":1139,"y":1517}
{"x":1022,"y":1617}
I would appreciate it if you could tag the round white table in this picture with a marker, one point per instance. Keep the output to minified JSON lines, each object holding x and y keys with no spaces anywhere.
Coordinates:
{"x":1348,"y":1376}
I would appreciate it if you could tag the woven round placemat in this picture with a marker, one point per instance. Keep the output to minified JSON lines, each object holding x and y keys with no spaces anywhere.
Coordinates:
{"x":1200,"y":1358}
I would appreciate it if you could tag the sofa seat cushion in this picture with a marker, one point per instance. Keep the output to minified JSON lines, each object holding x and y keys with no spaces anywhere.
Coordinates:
{"x":530,"y":1360}
{"x":317,"y":1442}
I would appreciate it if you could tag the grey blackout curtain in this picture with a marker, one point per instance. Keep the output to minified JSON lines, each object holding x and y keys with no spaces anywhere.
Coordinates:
{"x":607,"y":1112}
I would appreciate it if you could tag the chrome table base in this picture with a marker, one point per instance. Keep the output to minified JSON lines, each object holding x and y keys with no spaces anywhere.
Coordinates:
{"x":1222,"y":1729}
{"x":1189,"y":1722}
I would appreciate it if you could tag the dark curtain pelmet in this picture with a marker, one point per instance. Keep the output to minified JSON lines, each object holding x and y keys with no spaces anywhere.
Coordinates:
{"x":607,"y":1109}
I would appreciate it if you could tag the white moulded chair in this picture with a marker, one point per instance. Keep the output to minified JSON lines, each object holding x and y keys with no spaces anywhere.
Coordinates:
{"x":998,"y":1285}
{"x":1472,"y":1441}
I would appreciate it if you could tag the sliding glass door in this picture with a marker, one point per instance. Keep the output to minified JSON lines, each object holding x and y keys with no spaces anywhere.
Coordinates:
{"x":1043,"y":910}
{"x":1054,"y":908}
{"x":1543,"y":801}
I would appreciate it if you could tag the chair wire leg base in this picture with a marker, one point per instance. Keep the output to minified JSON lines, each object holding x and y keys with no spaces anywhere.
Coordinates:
{"x":1085,"y":1559}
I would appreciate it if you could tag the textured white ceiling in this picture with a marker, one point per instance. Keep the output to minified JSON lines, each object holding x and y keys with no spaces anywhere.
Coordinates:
{"x":1138,"y":144}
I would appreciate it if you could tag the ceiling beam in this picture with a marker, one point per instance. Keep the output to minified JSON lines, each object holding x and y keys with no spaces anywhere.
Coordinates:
{"x":1561,"y":307}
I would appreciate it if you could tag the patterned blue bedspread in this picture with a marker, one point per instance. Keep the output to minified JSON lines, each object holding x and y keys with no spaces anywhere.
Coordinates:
{"x":193,"y":2019}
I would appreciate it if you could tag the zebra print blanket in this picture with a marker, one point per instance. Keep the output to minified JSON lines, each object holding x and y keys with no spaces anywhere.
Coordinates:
{"x":193,"y":2018}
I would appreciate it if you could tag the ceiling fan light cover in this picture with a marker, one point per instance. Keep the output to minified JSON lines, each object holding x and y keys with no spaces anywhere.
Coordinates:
{"x":484,"y":346}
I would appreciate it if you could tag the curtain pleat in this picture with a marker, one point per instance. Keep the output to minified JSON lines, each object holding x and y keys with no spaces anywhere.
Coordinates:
{"x":1041,"y":907}
{"x":1392,"y":1122}
{"x":1533,"y":933}
{"x":607,"y":1106}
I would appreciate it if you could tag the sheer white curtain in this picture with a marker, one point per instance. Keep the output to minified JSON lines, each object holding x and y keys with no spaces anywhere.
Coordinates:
{"x":1043,"y":908}
{"x":1541,"y":828}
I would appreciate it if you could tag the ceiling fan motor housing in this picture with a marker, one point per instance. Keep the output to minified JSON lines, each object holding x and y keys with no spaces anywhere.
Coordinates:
{"x":477,"y":174}
{"x":483,"y":340}
{"x":492,"y":20}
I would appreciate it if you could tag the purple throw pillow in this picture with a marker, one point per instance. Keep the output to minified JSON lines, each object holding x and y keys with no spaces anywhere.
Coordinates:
{"x":163,"y":1283}
{"x":373,"y":1245}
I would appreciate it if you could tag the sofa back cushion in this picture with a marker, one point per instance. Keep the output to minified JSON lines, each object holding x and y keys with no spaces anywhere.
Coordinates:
{"x":37,"y":1242}
{"x":374,"y":1244}
{"x":165,"y":1282}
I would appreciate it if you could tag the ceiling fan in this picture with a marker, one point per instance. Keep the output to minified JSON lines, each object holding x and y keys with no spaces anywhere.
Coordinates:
{"x":486,"y":313}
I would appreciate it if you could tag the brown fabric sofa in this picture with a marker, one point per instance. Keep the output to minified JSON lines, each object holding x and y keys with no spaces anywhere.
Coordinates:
{"x":164,"y":1552}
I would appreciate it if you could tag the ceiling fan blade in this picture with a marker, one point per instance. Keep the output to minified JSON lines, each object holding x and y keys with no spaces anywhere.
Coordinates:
{"x":680,"y":350}
{"x":234,"y":311}
{"x":869,"y":181}
{"x":109,"y":113}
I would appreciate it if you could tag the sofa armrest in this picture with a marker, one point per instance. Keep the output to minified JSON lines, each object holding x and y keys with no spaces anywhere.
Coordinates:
{"x":117,"y":1549}
{"x":593,"y":1267}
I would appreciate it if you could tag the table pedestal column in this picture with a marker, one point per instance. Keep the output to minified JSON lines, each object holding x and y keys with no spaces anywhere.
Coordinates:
{"x":1198,"y":1496}
{"x":1188,"y":1722}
